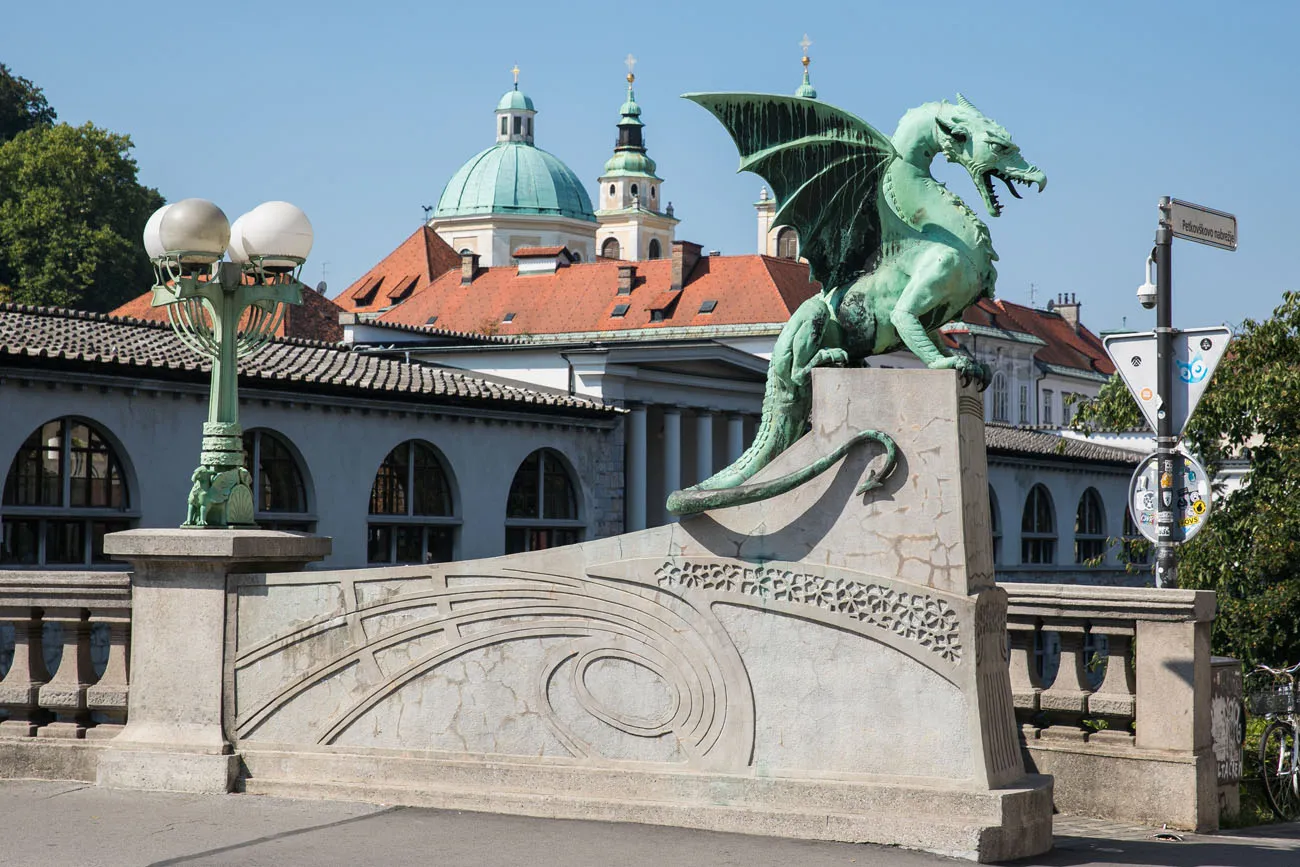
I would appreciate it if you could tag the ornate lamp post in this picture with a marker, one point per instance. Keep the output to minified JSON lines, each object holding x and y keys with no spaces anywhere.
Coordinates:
{"x":225,"y":310}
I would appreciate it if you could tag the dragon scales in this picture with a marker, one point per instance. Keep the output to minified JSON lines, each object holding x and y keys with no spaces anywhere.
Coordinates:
{"x":897,"y":255}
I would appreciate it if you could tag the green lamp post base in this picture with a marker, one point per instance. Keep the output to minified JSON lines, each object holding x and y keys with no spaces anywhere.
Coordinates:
{"x":222,"y":493}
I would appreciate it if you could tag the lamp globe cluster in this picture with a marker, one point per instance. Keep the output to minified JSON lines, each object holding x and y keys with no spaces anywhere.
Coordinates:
{"x":275,"y":236}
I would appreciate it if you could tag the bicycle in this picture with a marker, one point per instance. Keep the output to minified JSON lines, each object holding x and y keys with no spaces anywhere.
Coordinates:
{"x":1279,"y":748}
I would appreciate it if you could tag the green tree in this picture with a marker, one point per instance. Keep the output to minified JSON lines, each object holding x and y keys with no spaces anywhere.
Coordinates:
{"x":22,"y":105}
{"x":71,"y":217}
{"x":1249,"y":550}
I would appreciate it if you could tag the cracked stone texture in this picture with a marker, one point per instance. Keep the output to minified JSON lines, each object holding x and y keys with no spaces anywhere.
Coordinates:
{"x":817,"y":702}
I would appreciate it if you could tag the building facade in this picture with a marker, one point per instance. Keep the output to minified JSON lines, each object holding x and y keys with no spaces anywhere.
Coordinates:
{"x":398,"y":462}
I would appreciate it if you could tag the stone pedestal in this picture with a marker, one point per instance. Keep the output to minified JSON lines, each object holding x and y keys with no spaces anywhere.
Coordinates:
{"x":822,"y":664}
{"x":173,"y":739}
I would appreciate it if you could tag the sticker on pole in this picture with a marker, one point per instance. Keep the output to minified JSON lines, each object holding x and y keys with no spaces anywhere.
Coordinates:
{"x":1190,"y":499}
{"x":1196,"y":354}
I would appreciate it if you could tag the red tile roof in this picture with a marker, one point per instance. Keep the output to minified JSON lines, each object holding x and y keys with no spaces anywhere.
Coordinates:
{"x":1079,"y":349}
{"x":538,"y":252}
{"x":749,"y":290}
{"x":317,"y":318}
{"x":403,"y":273}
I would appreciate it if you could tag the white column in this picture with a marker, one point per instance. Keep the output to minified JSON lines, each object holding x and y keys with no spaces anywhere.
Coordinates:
{"x":703,"y":444}
{"x":672,"y":454}
{"x":735,"y":436}
{"x":634,"y":472}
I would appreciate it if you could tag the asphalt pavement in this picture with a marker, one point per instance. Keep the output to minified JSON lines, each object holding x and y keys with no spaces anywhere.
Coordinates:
{"x":76,"y":825}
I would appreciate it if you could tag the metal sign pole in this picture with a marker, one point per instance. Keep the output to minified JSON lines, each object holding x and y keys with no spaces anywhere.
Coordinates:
{"x":1168,"y":529}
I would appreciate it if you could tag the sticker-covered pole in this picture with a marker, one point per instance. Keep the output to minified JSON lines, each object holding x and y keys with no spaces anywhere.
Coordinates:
{"x":1168,"y":528}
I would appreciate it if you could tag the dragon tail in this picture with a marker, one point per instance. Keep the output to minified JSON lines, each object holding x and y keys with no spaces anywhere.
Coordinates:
{"x":785,"y":413}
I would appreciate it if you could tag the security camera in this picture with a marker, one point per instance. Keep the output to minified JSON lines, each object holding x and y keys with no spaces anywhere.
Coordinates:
{"x":1147,"y":291}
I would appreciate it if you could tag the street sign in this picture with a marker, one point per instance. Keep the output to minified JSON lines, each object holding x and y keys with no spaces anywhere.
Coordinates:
{"x":1190,"y":499}
{"x":1196,"y":353}
{"x":1203,"y":225}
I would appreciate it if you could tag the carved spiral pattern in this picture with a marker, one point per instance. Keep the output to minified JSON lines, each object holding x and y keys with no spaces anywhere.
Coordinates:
{"x":930,"y":622}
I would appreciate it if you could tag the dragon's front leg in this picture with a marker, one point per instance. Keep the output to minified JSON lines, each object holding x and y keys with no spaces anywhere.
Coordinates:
{"x":937,"y":284}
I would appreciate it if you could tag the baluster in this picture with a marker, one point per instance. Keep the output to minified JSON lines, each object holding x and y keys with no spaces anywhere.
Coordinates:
{"x":65,"y":693}
{"x":20,"y":689}
{"x":108,"y":696}
{"x":1026,"y":680}
{"x":1066,"y":700}
{"x":1115,"y":700}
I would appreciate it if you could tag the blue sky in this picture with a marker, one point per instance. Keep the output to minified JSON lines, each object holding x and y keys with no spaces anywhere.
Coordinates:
{"x":360,"y":112}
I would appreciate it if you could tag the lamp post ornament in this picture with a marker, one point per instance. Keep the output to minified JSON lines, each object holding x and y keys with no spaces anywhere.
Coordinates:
{"x":225,"y":311}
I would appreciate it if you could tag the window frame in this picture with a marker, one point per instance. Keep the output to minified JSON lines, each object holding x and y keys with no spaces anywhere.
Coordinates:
{"x":1045,"y":407}
{"x":1038,"y":545}
{"x":605,"y":245}
{"x":1000,"y":397}
{"x":575,"y":526}
{"x":61,"y":513}
{"x":784,"y":235}
{"x":654,"y":250}
{"x":274,"y":519}
{"x":1089,"y":543}
{"x":393,"y":522}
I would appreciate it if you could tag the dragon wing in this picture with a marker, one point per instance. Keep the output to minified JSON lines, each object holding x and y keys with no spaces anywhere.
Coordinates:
{"x":825,"y":167}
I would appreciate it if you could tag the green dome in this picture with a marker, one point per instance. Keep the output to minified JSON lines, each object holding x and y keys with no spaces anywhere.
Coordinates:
{"x":516,"y":100}
{"x":630,"y":163}
{"x":515,"y":178}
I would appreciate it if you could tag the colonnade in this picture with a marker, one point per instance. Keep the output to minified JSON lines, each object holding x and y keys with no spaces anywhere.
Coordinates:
{"x":665,"y":469}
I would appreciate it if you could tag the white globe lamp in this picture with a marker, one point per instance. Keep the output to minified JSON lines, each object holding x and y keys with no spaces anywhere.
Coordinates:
{"x":194,"y":231}
{"x":277,"y":234}
{"x":153,"y":244}
{"x":237,"y":253}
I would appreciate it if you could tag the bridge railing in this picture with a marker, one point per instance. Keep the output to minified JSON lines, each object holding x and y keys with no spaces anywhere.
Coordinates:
{"x":1124,"y":722}
{"x":64,"y":654}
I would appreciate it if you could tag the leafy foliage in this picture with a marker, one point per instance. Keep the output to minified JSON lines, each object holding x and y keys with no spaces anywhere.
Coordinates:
{"x":22,"y":105}
{"x":71,"y":217}
{"x":1249,"y":550}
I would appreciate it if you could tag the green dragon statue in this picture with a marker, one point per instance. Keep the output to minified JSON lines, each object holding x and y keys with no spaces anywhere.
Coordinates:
{"x":896,"y":253}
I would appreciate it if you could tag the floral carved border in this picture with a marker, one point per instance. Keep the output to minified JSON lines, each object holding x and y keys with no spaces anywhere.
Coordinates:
{"x":930,"y":622}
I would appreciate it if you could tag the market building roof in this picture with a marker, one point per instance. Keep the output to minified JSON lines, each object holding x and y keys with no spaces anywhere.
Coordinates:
{"x":113,"y":345}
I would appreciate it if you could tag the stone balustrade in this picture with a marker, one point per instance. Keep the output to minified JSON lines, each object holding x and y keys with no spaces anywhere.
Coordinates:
{"x":65,"y":637}
{"x":1124,"y":724}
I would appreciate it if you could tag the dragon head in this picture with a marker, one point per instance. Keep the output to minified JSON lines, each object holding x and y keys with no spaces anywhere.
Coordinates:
{"x":985,"y":149}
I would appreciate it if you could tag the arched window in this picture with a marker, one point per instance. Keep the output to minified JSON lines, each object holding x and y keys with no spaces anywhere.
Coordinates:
{"x":787,"y":243}
{"x":655,"y":250}
{"x":612,"y":191}
{"x":999,"y":393}
{"x":635,"y":191}
{"x":1089,"y":527}
{"x":577,"y":255}
{"x":542,"y":510}
{"x":995,"y":524}
{"x":65,"y":490}
{"x":609,"y":249}
{"x":412,"y":512}
{"x":1136,"y":548}
{"x":1038,"y":528}
{"x":279,"y":484}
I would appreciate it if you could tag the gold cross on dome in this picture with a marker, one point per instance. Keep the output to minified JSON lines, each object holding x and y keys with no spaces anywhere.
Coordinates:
{"x":631,"y":62}
{"x":516,"y":74}
{"x":804,"y":43}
